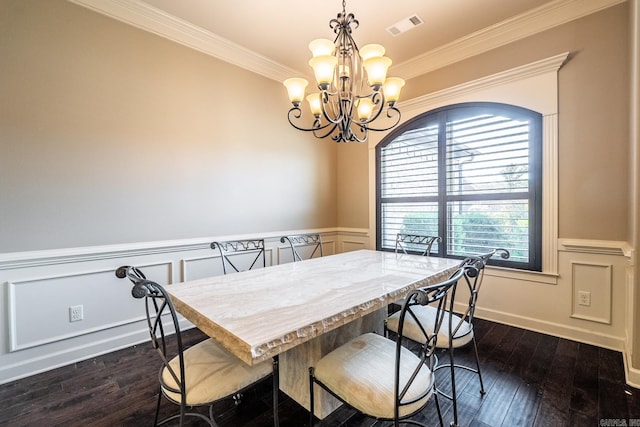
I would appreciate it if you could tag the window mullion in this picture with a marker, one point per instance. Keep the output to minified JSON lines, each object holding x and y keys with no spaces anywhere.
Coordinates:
{"x":442,"y":183}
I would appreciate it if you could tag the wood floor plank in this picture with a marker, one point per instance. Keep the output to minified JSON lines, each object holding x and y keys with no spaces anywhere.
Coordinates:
{"x":584,"y":395}
{"x":498,"y":399}
{"x":522,"y":354}
{"x":579,"y":419}
{"x":612,"y":401}
{"x":550,"y":414}
{"x":633,"y":402}
{"x":531,"y":379}
{"x":468,"y":406}
{"x":524,"y":406}
{"x":541,"y":361}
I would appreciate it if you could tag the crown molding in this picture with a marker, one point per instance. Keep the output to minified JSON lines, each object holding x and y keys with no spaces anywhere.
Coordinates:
{"x":536,"y":20}
{"x":141,"y":15}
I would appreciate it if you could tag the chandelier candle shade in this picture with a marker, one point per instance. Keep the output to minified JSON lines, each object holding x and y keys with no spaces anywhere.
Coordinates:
{"x":353,"y":87}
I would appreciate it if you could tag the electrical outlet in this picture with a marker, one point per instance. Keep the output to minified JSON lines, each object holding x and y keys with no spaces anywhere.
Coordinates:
{"x":76,"y":313}
{"x":584,"y":298}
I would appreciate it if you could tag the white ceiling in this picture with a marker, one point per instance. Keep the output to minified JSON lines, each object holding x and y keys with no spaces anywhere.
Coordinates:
{"x":271,"y":36}
{"x":282,"y":29}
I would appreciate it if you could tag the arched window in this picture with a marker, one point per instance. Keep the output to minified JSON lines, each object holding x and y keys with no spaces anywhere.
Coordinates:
{"x":470,"y":173}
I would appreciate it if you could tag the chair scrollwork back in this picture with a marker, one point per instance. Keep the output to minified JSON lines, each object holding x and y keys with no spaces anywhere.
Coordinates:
{"x":416,"y":242}
{"x":254,"y":248}
{"x":296,"y":241}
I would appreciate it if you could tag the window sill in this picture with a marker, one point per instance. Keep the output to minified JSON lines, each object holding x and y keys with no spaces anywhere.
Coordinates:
{"x":522,"y":275}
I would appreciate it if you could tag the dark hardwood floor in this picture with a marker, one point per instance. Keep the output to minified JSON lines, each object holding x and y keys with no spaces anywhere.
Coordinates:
{"x":531,"y":379}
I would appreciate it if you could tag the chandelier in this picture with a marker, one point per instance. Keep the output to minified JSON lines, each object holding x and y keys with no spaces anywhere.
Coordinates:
{"x":353,"y":87}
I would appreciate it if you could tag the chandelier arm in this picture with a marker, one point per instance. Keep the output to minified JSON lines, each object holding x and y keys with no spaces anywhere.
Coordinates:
{"x":329,"y":132}
{"x":296,"y":112}
{"x":365,"y":132}
{"x":325,"y":101}
{"x":389,"y":115}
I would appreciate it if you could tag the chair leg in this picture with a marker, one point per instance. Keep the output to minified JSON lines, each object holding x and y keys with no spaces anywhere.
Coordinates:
{"x":276,"y":390}
{"x":212,"y":422}
{"x":453,"y":388}
{"x":311,"y":401}
{"x":435,"y":395}
{"x":155,"y":421}
{"x":475,"y":350}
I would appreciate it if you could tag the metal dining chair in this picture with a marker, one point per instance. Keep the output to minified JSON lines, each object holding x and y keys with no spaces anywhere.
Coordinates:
{"x":419,"y":243}
{"x":412,"y":243}
{"x":312,"y":243}
{"x":457,"y":330}
{"x":235,"y":255}
{"x":200,"y":375}
{"x":380,"y":377}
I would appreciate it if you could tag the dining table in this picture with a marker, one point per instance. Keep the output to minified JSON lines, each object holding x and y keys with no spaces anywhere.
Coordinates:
{"x":295,"y":313}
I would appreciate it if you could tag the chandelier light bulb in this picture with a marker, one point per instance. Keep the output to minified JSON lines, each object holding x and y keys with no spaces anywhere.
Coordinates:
{"x":391,"y":89}
{"x":377,"y":70}
{"x":365,"y":108}
{"x":371,"y":51}
{"x":315,"y":104}
{"x":324,"y":67}
{"x":296,"y":88}
{"x":319,"y":47}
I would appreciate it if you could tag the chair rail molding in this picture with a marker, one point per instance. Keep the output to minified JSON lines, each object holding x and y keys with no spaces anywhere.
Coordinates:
{"x":13,"y":260}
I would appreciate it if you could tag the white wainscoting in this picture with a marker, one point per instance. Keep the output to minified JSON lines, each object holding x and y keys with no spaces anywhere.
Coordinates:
{"x":38,"y":288}
{"x":549,"y":304}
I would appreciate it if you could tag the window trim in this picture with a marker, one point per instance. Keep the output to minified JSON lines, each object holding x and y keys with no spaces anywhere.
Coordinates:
{"x":533,"y":86}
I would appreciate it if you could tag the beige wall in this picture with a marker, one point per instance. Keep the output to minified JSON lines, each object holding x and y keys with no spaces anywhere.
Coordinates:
{"x":353,"y":193}
{"x":593,"y":121}
{"x":593,"y":115}
{"x":110,"y":134}
{"x":96,"y":115}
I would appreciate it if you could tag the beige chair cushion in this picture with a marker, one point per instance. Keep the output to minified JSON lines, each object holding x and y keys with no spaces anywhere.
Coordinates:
{"x":361,"y":372}
{"x":426,"y":314}
{"x":212,"y":373}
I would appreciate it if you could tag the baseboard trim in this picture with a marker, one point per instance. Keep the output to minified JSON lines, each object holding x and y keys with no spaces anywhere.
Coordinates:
{"x":47,"y":362}
{"x":551,"y":328}
{"x":631,"y":374}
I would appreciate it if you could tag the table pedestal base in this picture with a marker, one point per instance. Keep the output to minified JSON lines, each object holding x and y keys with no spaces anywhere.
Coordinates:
{"x":295,"y":363}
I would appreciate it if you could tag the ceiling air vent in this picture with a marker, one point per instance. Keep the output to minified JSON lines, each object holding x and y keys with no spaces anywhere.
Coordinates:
{"x":405,"y":25}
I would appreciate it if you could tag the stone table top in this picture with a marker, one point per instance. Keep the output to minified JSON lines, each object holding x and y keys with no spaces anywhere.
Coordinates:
{"x":261,"y":313}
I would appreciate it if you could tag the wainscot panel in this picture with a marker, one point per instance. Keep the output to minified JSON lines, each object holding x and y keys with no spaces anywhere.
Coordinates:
{"x":40,"y":288}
